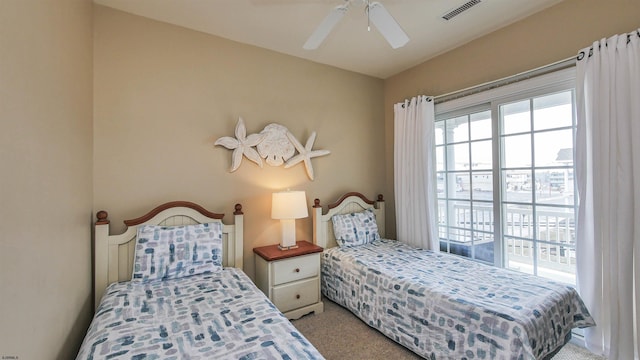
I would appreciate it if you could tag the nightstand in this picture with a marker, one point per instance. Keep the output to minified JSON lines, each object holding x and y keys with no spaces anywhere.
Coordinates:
{"x":290,"y":278}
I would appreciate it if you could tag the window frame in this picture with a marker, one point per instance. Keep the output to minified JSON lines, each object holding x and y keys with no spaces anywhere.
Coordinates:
{"x":492,"y":99}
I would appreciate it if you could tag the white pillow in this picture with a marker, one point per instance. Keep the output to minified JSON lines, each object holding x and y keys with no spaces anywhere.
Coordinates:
{"x":171,"y":252}
{"x":355,"y":229}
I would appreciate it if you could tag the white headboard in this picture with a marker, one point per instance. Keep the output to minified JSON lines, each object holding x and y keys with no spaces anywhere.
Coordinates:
{"x":349,"y":203}
{"x":114,"y":254}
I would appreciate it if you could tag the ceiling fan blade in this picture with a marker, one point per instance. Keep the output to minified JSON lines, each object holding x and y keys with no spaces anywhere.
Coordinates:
{"x":387,"y":25}
{"x":325,"y":27}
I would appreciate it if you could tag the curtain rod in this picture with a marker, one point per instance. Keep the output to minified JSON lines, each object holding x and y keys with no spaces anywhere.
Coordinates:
{"x":559,"y":65}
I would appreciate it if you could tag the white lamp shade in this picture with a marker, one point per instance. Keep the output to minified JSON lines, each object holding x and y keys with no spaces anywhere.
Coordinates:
{"x":289,"y":205}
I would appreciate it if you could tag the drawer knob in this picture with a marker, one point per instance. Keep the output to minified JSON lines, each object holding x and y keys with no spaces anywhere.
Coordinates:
{"x":298,"y":296}
{"x":297,"y":270}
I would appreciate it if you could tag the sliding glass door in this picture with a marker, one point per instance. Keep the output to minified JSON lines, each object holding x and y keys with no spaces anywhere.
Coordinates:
{"x":506,"y":189}
{"x":465,"y":185}
{"x":538,"y":203}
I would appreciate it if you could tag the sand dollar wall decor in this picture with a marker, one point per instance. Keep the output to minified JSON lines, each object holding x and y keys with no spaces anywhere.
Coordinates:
{"x":275,"y":143}
{"x":275,"y":147}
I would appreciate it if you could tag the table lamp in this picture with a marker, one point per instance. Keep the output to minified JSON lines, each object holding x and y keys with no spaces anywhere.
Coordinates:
{"x":287,"y":206}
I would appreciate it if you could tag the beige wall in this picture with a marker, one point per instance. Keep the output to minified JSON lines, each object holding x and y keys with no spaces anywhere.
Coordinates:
{"x":45,"y":186}
{"x":551,"y":35}
{"x":161,"y":96}
{"x":164,"y":94}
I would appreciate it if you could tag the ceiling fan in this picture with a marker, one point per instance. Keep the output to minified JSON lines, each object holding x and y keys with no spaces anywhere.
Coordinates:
{"x":376,"y":14}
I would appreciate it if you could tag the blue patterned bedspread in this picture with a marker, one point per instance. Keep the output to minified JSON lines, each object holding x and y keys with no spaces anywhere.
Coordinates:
{"x":219,"y":316}
{"x":442,"y":306}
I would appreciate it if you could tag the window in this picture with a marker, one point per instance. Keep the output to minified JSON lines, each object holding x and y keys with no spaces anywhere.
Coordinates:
{"x":505,"y":172}
{"x":465,"y":185}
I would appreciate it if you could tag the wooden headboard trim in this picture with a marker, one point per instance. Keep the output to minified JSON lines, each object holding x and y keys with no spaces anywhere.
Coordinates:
{"x":172,"y":204}
{"x":345,"y":196}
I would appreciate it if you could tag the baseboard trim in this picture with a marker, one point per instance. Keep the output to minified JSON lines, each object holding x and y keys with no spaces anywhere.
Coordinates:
{"x":578,"y":340}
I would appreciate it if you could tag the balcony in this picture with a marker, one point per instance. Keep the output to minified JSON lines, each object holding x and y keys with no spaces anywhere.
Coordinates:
{"x":542,"y":243}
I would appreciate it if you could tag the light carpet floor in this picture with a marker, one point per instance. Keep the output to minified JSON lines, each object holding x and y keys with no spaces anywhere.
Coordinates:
{"x":338,"y":334}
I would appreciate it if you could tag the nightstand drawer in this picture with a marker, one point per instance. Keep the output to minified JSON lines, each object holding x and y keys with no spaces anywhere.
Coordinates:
{"x":296,"y":295}
{"x":296,"y":268}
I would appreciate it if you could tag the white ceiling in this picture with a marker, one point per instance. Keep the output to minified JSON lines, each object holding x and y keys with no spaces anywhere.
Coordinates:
{"x":285,"y":25}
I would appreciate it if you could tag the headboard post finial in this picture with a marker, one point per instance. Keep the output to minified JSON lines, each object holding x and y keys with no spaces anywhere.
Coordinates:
{"x":380,"y":198}
{"x":316,"y":203}
{"x":102,"y":217}
{"x":238,"y":209}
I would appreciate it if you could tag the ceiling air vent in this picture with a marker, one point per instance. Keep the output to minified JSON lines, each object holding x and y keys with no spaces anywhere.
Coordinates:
{"x":457,"y":11}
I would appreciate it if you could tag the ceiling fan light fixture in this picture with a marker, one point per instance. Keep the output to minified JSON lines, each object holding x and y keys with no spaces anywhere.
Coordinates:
{"x":325,"y":27}
{"x":387,"y":25}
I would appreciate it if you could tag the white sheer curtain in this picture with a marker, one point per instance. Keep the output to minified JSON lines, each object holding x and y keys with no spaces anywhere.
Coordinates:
{"x":415,"y":173}
{"x":608,"y":175}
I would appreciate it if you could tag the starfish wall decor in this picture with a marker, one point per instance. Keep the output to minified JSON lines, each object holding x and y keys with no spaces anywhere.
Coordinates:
{"x":304,"y":153}
{"x":276,"y":144}
{"x":242,"y":145}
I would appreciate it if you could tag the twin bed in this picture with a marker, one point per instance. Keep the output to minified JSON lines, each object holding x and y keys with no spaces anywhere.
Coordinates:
{"x":172,"y":287}
{"x":438,"y":305}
